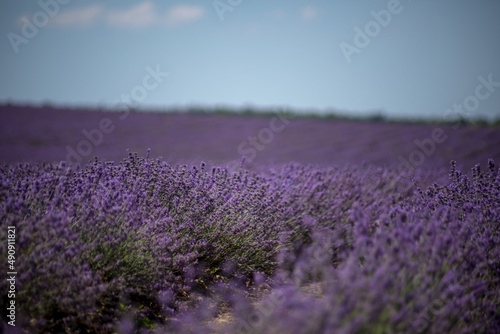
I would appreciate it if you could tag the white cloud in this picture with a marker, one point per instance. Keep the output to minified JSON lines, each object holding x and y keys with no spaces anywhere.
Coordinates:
{"x":309,"y":13}
{"x":139,"y":16}
{"x":78,"y":17}
{"x":184,"y":14}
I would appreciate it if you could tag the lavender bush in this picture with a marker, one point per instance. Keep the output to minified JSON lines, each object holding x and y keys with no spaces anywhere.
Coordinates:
{"x":145,"y":246}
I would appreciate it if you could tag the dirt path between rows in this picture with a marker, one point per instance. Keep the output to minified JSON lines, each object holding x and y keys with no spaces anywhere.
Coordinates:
{"x":226,"y":317}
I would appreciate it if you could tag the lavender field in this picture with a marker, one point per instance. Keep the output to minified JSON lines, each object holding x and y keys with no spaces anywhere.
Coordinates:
{"x":247,"y":223}
{"x":32,"y":134}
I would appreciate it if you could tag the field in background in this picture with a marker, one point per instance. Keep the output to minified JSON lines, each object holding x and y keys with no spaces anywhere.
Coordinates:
{"x":47,"y":134}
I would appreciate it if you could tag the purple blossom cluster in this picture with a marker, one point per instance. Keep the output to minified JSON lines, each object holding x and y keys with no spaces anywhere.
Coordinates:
{"x":144,"y":246}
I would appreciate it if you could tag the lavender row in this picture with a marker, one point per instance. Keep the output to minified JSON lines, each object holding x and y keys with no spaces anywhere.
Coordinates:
{"x":143,"y":245}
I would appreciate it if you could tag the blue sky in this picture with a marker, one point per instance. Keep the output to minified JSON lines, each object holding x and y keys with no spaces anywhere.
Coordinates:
{"x":405,"y":58}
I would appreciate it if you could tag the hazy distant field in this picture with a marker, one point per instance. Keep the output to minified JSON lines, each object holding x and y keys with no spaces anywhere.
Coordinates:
{"x":32,"y":134}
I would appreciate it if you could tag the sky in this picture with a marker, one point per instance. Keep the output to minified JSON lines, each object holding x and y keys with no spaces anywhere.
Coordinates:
{"x":404,"y":59}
